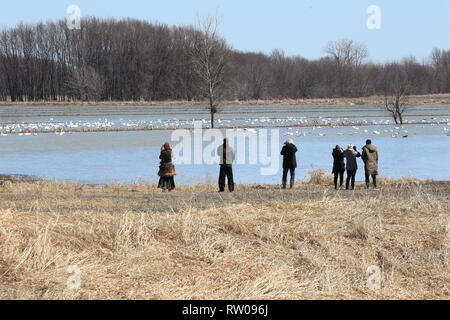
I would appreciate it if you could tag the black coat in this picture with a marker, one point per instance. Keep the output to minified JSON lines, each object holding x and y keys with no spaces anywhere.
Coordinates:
{"x":338,"y":161}
{"x":289,"y":159}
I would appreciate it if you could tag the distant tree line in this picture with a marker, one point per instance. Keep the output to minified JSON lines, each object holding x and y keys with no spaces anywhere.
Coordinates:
{"x":133,"y":60}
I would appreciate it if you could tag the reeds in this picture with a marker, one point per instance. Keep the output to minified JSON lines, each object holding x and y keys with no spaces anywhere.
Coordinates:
{"x":133,"y":242}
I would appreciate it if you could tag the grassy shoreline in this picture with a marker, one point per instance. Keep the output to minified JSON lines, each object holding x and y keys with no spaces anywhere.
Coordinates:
{"x":429,"y":99}
{"x":135,"y":242}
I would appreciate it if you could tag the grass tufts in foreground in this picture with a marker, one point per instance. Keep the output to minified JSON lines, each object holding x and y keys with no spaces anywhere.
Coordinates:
{"x":134,"y":242}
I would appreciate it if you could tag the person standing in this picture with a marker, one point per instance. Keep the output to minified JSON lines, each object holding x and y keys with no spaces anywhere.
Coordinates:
{"x":370,"y":158}
{"x":227,"y":157}
{"x":338,"y":166}
{"x":166,"y":169}
{"x":289,"y":162}
{"x":351,"y":155}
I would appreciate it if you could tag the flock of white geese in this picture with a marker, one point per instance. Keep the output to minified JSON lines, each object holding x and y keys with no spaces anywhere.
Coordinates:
{"x":292,"y":126}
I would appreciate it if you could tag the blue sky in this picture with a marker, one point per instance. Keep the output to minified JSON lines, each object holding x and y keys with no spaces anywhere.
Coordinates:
{"x":299,"y":27}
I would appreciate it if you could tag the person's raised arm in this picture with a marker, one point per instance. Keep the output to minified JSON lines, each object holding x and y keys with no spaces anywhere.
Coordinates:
{"x":364,"y":154}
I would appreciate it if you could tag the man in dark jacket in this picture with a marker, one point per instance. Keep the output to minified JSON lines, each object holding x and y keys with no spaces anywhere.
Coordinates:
{"x":338,"y":166}
{"x":289,"y":162}
{"x":227,"y":156}
{"x":370,"y":158}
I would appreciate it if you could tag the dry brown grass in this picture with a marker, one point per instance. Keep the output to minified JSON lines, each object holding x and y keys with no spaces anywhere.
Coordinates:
{"x":133,"y":242}
{"x":319,"y":177}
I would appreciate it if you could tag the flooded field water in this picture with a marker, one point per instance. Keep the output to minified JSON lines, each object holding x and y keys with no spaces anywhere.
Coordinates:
{"x":420,"y":148}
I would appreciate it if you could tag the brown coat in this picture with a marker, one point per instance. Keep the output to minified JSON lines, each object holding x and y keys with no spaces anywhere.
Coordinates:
{"x":370,"y":158}
{"x":166,"y":168}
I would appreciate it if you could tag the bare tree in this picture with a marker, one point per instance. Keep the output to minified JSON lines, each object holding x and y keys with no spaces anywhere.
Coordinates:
{"x":249,"y":73}
{"x":440,"y":60}
{"x":133,"y":60}
{"x":210,"y":56}
{"x":348,"y":57}
{"x":85,"y":84}
{"x":396,"y":89}
{"x":347,"y":52}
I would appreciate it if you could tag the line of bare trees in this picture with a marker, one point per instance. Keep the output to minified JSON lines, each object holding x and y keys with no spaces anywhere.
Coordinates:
{"x":136,"y":60}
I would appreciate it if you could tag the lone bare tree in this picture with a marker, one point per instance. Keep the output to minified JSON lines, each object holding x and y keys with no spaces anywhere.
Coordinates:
{"x":396,"y":86}
{"x":210,"y":55}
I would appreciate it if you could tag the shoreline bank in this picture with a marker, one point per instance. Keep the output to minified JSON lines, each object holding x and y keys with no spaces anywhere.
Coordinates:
{"x":318,"y":177}
{"x":435,"y":99}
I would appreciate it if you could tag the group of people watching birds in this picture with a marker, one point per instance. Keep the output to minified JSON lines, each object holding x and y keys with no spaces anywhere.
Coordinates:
{"x":343,"y":160}
{"x":369,"y":156}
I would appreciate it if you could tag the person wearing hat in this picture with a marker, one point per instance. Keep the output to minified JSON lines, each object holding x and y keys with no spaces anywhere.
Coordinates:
{"x":227,"y":156}
{"x":289,"y":162}
{"x":370,"y":158}
{"x":351,"y":155}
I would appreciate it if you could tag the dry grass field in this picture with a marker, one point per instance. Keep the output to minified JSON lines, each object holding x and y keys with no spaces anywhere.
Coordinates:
{"x":135,"y":242}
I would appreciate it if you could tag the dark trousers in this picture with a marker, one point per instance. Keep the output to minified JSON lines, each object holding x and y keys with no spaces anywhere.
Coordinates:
{"x":285,"y":173}
{"x":374,"y":179}
{"x":339,"y":175}
{"x":351,"y":175}
{"x":226,"y":171}
{"x":166,"y":183}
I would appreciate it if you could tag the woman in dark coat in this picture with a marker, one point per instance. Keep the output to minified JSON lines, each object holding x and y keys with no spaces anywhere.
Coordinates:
{"x":166,"y":169}
{"x":338,"y":166}
{"x":351,"y":155}
{"x":289,"y":162}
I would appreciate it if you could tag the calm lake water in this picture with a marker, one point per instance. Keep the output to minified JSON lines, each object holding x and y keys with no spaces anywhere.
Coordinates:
{"x":121,"y":157}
